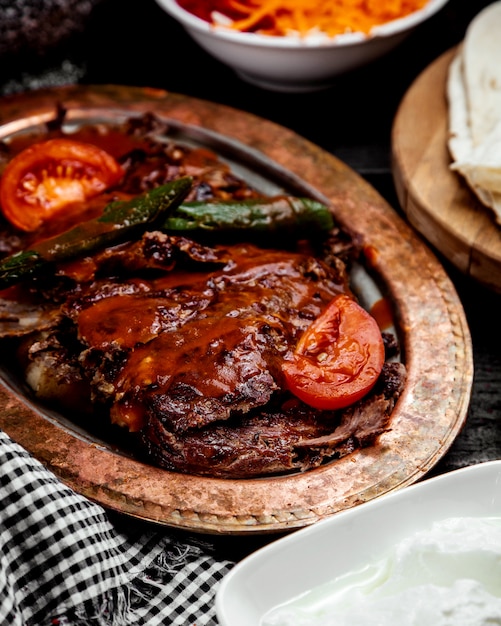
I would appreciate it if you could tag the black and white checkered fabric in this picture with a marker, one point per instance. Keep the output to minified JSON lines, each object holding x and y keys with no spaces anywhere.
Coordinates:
{"x":64,"y":563}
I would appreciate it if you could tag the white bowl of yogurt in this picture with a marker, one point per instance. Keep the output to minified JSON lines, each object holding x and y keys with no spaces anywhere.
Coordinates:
{"x":427,"y":554}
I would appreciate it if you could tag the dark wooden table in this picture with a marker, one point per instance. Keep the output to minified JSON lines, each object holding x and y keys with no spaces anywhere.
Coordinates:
{"x":136,"y":43}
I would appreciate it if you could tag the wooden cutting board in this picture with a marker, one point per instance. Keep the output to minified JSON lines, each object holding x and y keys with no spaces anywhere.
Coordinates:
{"x":437,"y":201}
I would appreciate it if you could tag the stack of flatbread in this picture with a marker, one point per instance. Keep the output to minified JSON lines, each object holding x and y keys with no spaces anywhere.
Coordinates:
{"x":474,"y":95}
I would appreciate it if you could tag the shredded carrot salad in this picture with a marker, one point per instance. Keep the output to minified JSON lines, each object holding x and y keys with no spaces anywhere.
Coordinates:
{"x":334,"y":17}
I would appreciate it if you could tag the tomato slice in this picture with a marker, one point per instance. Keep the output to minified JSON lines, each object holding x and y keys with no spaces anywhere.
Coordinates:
{"x":51,"y":176}
{"x":338,"y":358}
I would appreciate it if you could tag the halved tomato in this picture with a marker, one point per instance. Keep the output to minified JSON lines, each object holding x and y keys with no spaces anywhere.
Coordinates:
{"x":339,"y":357}
{"x":51,"y":176}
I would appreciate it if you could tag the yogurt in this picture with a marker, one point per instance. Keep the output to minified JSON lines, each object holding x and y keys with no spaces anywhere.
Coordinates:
{"x":446,"y":575}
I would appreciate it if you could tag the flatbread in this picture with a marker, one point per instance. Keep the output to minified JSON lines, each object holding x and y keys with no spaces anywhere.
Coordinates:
{"x":474,"y":97}
{"x":460,"y":137}
{"x":482,"y":71}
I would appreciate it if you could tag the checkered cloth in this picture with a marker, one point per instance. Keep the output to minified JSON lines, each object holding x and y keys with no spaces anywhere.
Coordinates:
{"x":64,"y":563}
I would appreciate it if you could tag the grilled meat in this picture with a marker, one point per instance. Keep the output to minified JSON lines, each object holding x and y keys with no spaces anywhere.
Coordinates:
{"x":179,"y":341}
{"x":189,"y":358}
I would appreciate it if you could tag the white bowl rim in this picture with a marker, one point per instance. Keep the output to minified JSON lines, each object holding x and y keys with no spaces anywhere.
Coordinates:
{"x":486,"y":473}
{"x":395,"y":27}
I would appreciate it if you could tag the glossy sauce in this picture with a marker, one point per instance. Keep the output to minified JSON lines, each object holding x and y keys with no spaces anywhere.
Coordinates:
{"x":192,"y":320}
{"x":382,"y":313}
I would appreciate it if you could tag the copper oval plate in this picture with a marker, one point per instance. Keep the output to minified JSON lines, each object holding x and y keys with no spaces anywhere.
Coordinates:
{"x":428,"y":318}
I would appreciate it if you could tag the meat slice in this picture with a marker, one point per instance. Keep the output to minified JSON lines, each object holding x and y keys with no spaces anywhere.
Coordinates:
{"x":200,"y":346}
{"x":186,"y":353}
{"x":284,"y":437}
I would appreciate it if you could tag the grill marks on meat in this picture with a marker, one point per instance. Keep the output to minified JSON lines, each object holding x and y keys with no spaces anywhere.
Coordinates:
{"x":200,"y":346}
{"x":283,"y":437}
{"x":219,"y":367}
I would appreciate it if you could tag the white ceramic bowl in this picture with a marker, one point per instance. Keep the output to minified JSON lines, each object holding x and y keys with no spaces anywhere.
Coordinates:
{"x":349,"y":540}
{"x":292,"y":64}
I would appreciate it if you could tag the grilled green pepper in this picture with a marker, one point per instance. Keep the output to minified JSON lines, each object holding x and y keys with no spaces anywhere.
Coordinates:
{"x":121,"y":220}
{"x":257,"y":214}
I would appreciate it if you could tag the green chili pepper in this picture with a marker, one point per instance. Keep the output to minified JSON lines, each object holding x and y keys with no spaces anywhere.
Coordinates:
{"x":120,"y":221}
{"x":301,"y":215}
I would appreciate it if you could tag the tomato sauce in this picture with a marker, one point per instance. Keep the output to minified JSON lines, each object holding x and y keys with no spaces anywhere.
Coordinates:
{"x":381,"y":312}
